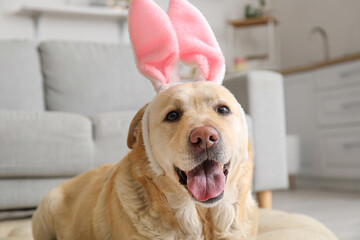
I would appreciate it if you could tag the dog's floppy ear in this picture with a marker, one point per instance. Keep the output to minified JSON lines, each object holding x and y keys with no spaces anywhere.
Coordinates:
{"x":134,"y":127}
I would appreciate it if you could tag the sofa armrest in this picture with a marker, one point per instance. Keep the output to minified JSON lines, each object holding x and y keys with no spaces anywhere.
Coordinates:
{"x":261,"y":94}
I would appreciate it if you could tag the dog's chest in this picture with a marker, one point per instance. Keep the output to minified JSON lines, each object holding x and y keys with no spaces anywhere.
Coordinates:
{"x":192,"y":225}
{"x":223,"y":225}
{"x":220,"y":222}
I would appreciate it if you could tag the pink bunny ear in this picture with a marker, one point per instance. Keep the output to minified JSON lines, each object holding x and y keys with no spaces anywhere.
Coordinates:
{"x":197,"y":42}
{"x":154,"y":42}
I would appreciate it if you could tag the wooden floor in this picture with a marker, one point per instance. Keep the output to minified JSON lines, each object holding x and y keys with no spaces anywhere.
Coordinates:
{"x":339,"y":211}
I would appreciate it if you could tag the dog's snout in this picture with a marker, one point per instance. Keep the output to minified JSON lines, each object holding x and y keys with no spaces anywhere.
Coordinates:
{"x":204,"y":137}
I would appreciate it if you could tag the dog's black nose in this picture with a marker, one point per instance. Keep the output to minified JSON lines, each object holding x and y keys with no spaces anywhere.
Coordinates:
{"x":204,"y":137}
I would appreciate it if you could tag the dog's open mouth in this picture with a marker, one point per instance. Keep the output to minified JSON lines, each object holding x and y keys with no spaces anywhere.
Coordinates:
{"x":206,"y":182}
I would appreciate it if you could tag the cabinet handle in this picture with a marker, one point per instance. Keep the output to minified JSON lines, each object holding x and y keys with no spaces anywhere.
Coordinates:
{"x":351,"y":145}
{"x":351,"y":105}
{"x":345,"y":75}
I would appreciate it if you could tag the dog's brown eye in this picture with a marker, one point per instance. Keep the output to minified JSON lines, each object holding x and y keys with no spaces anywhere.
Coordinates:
{"x":223,"y":110}
{"x":172,"y":116}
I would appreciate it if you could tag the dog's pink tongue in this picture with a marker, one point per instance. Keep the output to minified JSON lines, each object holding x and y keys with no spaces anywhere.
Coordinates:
{"x":206,"y":181}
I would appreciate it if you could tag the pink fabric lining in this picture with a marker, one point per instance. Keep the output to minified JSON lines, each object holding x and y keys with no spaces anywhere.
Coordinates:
{"x":197,"y":42}
{"x":160,"y":40}
{"x":154,"y":41}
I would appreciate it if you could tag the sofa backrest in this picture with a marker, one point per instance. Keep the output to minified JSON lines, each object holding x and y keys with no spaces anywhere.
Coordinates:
{"x":20,"y":76}
{"x":91,"y":78}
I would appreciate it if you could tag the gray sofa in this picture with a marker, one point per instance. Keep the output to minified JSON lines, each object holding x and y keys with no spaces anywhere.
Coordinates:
{"x":65,"y":107}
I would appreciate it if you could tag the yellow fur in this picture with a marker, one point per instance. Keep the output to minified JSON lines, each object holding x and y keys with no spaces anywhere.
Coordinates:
{"x":128,"y":200}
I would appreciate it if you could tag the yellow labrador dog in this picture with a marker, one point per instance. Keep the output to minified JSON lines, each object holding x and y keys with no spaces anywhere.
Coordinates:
{"x":189,"y":171}
{"x":193,"y":184}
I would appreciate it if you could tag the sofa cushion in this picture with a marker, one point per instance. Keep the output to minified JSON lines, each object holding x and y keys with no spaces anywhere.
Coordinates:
{"x":20,"y":76}
{"x":44,"y":144}
{"x":24,"y":193}
{"x":92,"y":78}
{"x":110,"y":134}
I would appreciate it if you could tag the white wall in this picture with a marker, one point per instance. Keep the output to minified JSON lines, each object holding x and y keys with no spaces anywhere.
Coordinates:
{"x":13,"y":26}
{"x":298,"y":47}
{"x":89,"y":29}
{"x":52,"y":26}
{"x":339,"y":18}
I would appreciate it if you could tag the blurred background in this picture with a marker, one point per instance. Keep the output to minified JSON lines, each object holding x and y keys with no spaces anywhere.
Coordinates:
{"x":314,"y":45}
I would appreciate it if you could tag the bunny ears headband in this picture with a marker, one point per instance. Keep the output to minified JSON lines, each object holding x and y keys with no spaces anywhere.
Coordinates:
{"x":160,"y":40}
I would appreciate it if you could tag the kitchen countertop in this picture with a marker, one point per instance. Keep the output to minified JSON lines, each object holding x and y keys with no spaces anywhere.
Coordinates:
{"x":321,"y":64}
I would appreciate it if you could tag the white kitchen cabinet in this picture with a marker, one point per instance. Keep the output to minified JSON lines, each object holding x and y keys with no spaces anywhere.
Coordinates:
{"x":323,"y":109}
{"x":338,"y":76}
{"x":338,"y":107}
{"x":340,"y":152}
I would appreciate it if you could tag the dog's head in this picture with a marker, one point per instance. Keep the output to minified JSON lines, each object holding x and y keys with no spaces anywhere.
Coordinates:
{"x":194,"y":133}
{"x":197,"y":137}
